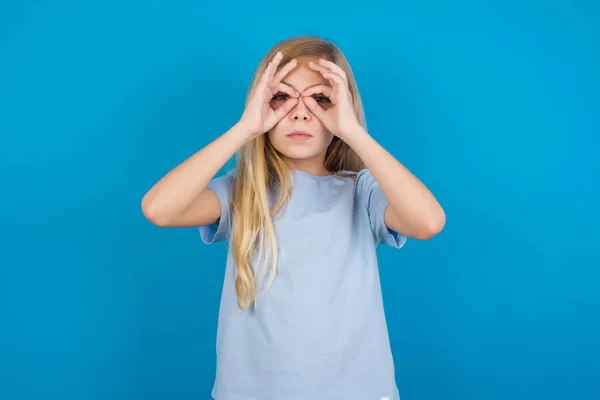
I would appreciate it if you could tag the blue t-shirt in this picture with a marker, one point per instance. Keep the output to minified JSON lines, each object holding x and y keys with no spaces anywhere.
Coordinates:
{"x":319,"y":332}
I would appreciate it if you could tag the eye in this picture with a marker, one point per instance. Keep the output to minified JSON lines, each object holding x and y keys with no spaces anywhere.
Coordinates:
{"x":319,"y":98}
{"x":280,"y":97}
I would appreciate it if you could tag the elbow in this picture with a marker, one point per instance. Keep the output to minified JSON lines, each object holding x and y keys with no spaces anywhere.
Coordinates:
{"x":152,"y":214}
{"x":433,"y":225}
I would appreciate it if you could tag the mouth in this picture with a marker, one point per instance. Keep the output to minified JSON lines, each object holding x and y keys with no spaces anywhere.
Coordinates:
{"x":299,"y":135}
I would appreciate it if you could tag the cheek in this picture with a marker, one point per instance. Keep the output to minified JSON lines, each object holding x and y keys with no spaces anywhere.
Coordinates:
{"x":276,"y":131}
{"x":327,"y":136}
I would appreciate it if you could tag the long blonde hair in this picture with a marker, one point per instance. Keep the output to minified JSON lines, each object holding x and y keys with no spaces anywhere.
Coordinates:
{"x":260,"y":167}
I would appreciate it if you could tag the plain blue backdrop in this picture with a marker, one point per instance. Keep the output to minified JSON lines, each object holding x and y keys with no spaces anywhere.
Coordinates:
{"x":494,"y":105}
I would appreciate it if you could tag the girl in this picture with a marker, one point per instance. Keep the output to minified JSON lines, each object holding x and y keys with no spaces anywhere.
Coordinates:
{"x":312,"y":195}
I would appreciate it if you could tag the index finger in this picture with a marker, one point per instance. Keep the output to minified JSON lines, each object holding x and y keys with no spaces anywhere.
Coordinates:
{"x":335,"y":68}
{"x":270,"y":69}
{"x":286,"y":89}
{"x":319,"y":89}
{"x":282,"y":73}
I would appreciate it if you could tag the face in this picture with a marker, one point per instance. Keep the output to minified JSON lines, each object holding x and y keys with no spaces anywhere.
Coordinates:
{"x":301,"y":151}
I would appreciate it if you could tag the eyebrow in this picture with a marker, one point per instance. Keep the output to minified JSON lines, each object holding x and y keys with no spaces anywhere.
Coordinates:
{"x":320,"y":83}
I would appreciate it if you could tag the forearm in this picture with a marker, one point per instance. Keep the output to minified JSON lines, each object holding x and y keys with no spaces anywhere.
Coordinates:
{"x":176,"y":191}
{"x":414,"y":206}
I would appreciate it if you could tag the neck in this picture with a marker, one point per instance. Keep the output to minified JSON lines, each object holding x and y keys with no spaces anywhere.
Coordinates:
{"x":310,"y":166}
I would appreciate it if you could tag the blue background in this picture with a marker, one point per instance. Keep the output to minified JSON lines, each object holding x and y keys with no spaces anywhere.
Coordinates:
{"x":494,"y":105}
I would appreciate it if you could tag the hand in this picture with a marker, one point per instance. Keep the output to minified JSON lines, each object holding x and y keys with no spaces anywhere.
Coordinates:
{"x":338,"y":116}
{"x":259,"y":116}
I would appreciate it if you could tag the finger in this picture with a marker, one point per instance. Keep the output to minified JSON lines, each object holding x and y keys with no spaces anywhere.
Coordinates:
{"x":321,"y":70}
{"x":317,"y":67}
{"x":314,"y":107}
{"x":266,"y":75}
{"x":324,"y":89}
{"x":334,"y":77}
{"x":270,"y":69}
{"x":332,"y":73}
{"x":282,"y":87}
{"x":286,"y":69}
{"x":286,"y":108}
{"x":335,"y":68}
{"x":275,"y":63}
{"x":277,"y":57}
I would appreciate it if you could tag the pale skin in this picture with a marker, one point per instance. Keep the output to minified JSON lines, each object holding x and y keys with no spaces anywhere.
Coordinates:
{"x":310,"y":95}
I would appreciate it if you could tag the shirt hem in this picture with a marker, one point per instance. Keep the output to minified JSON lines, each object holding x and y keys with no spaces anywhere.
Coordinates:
{"x":218,"y":395}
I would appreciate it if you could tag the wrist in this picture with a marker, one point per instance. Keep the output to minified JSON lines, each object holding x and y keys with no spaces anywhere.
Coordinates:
{"x":353,"y":133}
{"x":243,"y":130}
{"x":240,"y":132}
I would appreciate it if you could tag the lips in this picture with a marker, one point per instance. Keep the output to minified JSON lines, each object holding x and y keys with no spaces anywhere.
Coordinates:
{"x":299,"y":135}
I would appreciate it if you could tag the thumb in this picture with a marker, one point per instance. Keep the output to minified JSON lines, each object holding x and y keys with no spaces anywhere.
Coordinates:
{"x":314,"y":107}
{"x":285,"y":108}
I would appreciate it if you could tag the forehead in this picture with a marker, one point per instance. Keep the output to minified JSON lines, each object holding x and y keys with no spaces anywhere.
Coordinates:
{"x":302,"y":76}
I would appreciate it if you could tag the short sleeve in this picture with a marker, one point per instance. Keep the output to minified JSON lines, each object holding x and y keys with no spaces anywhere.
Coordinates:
{"x":220,"y":229}
{"x":374,"y":202}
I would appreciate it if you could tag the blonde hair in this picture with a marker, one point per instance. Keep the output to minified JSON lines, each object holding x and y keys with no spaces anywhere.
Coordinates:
{"x":260,"y":167}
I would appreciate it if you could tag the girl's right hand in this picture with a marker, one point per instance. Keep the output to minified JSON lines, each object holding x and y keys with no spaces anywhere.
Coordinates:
{"x":259,"y":116}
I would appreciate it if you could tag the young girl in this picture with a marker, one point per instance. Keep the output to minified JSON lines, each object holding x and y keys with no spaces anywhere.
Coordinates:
{"x":312,"y":195}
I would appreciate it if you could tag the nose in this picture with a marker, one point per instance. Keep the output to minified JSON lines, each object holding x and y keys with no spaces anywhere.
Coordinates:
{"x":300,"y":112}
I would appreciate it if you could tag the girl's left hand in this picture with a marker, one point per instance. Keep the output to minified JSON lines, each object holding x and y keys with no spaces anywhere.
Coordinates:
{"x":337,"y":111}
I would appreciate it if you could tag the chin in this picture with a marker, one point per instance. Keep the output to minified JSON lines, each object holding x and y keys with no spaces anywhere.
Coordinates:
{"x":301,"y":154}
{"x":300,"y":151}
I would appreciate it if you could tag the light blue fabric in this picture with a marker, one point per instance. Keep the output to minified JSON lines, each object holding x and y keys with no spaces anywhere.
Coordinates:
{"x":320,"y":332}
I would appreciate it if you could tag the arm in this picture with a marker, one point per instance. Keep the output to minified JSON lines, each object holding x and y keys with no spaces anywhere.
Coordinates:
{"x":180,"y":198}
{"x":412,"y":209}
